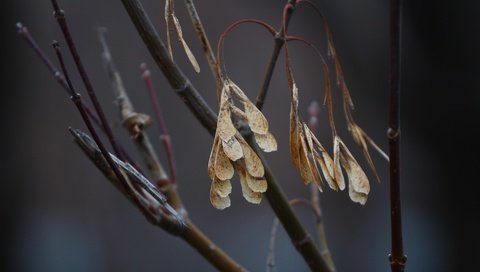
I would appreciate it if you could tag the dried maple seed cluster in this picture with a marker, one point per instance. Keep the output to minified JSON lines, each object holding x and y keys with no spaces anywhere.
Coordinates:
{"x":230,"y":151}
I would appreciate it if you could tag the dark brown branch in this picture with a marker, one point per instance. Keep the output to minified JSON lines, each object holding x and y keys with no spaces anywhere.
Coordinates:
{"x":179,"y":82}
{"x":397,"y":257}
{"x":278,"y":44}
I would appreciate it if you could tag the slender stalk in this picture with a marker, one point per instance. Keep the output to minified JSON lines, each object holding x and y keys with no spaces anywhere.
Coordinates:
{"x":193,"y":236}
{"x":202,"y":35}
{"x":185,"y":230}
{"x":177,"y":79}
{"x":60,"y":17}
{"x":76,"y":99}
{"x":135,"y":124}
{"x":397,"y":257}
{"x":164,"y":135}
{"x":277,"y":47}
{"x":313,"y":111}
{"x":25,"y":34}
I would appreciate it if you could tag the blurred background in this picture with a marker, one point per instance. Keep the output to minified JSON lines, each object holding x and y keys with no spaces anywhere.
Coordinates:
{"x":60,"y":214}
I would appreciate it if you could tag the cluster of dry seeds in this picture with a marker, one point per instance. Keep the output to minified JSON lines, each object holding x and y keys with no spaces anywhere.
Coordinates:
{"x":230,"y":151}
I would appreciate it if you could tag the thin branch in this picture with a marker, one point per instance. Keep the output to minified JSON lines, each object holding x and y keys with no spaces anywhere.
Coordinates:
{"x":155,"y":206}
{"x":76,"y":99}
{"x":208,"y":119}
{"x":202,"y":35}
{"x":279,"y":41}
{"x":135,"y":123}
{"x":177,"y":79}
{"x":25,"y":34}
{"x":397,"y":257}
{"x":164,"y":135}
{"x":59,"y":15}
{"x":271,"y":247}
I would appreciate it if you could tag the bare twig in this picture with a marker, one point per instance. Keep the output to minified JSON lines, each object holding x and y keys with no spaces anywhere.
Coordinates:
{"x":271,"y":247}
{"x":25,"y":34}
{"x":155,"y":207}
{"x":397,"y":257}
{"x":279,"y":41}
{"x":62,"y":22}
{"x":135,"y":123}
{"x":208,"y":119}
{"x":164,"y":135}
{"x":202,"y":35}
{"x":313,"y":111}
{"x":76,"y":99}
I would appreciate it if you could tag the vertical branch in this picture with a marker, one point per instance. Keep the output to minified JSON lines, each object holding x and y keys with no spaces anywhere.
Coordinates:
{"x":279,"y":41}
{"x":397,"y":258}
{"x":164,"y":135}
{"x":60,"y":17}
{"x":202,"y":35}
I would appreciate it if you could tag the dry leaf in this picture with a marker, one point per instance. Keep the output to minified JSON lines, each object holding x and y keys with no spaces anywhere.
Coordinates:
{"x":266,"y":142}
{"x":222,"y":187}
{"x":189,"y":53}
{"x":232,"y":149}
{"x":223,"y":168}
{"x":247,"y":192}
{"x":252,"y":161}
{"x":217,"y":201}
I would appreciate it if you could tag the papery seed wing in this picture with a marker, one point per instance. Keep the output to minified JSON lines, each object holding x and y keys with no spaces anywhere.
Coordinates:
{"x":337,"y":169}
{"x":222,"y":187}
{"x":358,"y":136}
{"x":252,"y":162}
{"x":327,"y":172}
{"x":248,"y":194}
{"x":168,"y":22}
{"x":232,"y":149}
{"x":217,"y":201}
{"x":294,"y":129}
{"x":237,"y":91}
{"x":223,"y":168}
{"x":225,"y":128}
{"x":257,"y":185}
{"x":358,"y":185}
{"x":309,"y":148}
{"x":211,"y":159}
{"x":256,"y":120}
{"x":189,"y":53}
{"x":266,"y":142}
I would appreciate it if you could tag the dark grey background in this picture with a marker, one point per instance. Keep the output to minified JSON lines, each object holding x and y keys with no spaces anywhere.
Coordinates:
{"x":60,"y":214}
